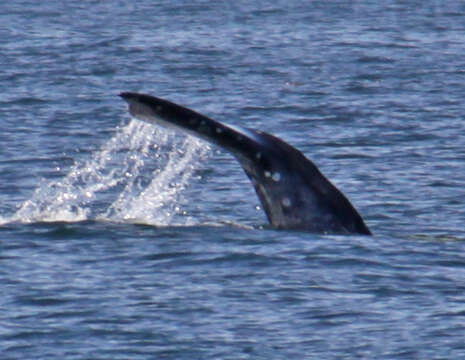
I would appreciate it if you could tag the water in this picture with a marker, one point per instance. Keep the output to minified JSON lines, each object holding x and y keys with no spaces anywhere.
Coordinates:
{"x":121,"y":240}
{"x":118,"y":166}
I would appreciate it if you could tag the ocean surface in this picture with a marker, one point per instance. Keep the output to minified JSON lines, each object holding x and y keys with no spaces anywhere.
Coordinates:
{"x":122,"y":240}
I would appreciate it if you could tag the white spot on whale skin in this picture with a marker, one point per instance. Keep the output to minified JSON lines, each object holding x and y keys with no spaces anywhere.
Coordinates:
{"x":286,"y":202}
{"x":218,"y":130}
{"x":258,"y":155}
{"x":267,"y":174}
{"x":158,"y":108}
{"x":276,"y":176}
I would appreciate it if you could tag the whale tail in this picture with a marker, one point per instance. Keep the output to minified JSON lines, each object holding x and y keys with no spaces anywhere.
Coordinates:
{"x":293,"y":192}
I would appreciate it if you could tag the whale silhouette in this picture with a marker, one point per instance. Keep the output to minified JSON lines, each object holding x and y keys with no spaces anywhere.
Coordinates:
{"x":293,"y":192}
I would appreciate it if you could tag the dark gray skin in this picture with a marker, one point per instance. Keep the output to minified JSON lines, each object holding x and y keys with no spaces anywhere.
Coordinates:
{"x":293,"y":192}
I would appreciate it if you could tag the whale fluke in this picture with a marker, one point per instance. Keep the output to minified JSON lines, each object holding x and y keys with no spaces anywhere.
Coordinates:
{"x":293,"y":192}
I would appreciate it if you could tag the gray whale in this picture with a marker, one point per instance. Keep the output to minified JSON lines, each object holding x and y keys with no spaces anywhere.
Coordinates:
{"x":293,"y":192}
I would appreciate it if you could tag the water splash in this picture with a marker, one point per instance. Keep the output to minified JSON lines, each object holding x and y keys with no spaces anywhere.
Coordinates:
{"x":122,"y":181}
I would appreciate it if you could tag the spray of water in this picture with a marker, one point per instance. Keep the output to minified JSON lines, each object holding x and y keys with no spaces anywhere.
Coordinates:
{"x":137,"y":176}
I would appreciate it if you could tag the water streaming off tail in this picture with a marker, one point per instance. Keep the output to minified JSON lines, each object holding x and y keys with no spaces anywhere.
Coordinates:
{"x":138,"y":175}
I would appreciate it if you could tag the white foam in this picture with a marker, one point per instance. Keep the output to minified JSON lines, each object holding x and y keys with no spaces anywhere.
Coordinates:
{"x":138,"y":175}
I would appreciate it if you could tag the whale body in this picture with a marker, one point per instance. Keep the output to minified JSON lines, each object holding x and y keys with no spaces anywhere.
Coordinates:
{"x":293,"y":192}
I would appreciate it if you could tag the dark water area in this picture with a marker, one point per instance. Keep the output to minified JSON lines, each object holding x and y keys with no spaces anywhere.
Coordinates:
{"x":121,"y":240}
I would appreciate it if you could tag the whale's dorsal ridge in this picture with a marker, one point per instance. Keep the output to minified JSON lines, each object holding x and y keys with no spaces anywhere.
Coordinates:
{"x":293,"y":192}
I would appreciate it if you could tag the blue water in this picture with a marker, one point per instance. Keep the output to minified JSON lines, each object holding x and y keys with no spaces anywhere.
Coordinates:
{"x":119,"y":240}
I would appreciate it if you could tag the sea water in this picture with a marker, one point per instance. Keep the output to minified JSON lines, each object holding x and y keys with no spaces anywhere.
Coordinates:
{"x":122,"y":240}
